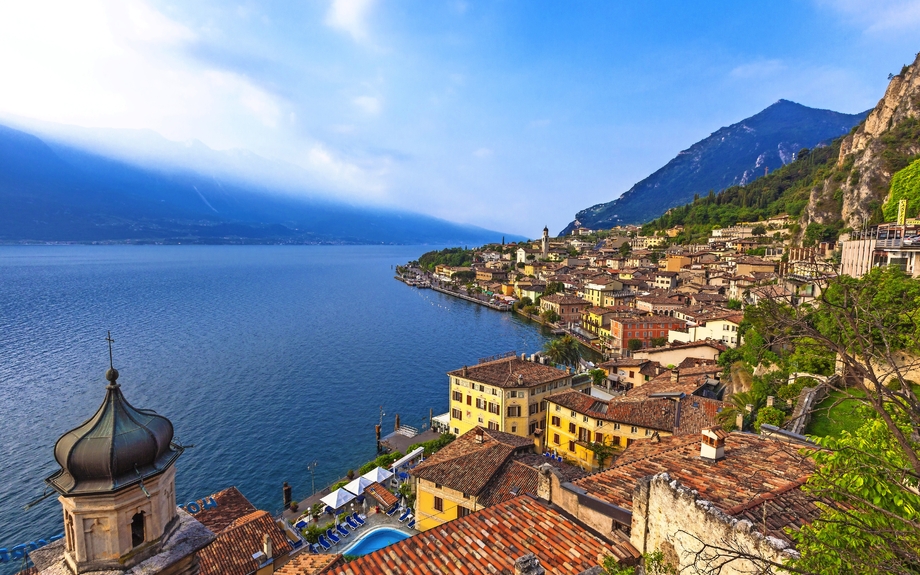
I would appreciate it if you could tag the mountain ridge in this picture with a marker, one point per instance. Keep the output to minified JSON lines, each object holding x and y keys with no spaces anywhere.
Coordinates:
{"x":59,"y":193}
{"x":731,"y":155}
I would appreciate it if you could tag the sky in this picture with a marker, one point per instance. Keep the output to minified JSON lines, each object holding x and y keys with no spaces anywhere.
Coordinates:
{"x":510,"y":114}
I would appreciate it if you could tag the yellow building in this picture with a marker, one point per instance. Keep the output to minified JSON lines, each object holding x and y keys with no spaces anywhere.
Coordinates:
{"x":479,"y":469}
{"x":504,"y":395}
{"x":595,"y":292}
{"x":575,"y":421}
{"x":677,"y":262}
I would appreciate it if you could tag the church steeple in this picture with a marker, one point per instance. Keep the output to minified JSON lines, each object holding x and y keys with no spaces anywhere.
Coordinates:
{"x":116,"y":483}
{"x":545,"y":243}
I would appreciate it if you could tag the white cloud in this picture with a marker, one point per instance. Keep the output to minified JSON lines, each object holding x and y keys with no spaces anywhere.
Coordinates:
{"x":349,"y":16}
{"x":483,"y":153}
{"x":367,"y":104}
{"x":878,"y":16}
{"x":346,"y":174}
{"x":758,"y":69}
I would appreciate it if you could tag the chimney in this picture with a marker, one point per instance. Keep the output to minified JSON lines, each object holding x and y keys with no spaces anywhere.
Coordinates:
{"x":528,"y":565}
{"x":675,"y":375}
{"x":523,"y":357}
{"x":770,"y":400}
{"x":712,"y":447}
{"x":465,"y":371}
{"x":479,"y":435}
{"x":739,"y":421}
{"x":267,"y":546}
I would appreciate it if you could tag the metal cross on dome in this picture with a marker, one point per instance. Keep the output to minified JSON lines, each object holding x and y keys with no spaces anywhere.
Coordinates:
{"x":109,"y":339}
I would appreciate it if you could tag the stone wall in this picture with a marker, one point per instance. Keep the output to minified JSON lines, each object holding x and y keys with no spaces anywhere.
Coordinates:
{"x":696,"y":537}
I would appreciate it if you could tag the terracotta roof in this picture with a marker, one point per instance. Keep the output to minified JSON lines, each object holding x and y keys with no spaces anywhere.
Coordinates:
{"x":505,"y":372}
{"x":520,"y":476}
{"x":468,"y":466}
{"x":231,"y":505}
{"x":489,"y":541}
{"x":699,"y":343}
{"x":753,"y":465}
{"x":380,"y":493}
{"x":688,"y":416}
{"x":771,"y":513}
{"x":309,"y":564}
{"x":231,"y":552}
{"x":663,"y":384}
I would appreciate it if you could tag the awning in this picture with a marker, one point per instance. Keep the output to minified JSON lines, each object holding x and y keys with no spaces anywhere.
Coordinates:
{"x":417,"y":452}
{"x":358,"y":485}
{"x":338,"y":498}
{"x":378,"y":474}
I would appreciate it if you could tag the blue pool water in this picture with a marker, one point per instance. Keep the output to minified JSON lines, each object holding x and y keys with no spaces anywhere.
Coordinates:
{"x":264,"y":357}
{"x":376,"y":539}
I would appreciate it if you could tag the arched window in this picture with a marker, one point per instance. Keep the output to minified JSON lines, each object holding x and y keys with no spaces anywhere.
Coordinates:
{"x":137,"y":529}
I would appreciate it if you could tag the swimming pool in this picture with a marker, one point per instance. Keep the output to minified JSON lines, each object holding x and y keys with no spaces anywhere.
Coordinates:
{"x":374,"y":540}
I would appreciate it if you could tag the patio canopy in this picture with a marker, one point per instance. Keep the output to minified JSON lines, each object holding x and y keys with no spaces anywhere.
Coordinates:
{"x":338,"y":498}
{"x":358,"y":485}
{"x":378,"y":475}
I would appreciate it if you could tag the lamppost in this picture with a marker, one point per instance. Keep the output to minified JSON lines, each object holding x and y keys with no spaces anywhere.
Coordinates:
{"x":311,"y":466}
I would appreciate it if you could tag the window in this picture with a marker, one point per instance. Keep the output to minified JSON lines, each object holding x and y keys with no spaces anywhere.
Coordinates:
{"x":466,"y":495}
{"x":584,"y":435}
{"x":482,"y":388}
{"x":456,"y":431}
{"x":512,"y":394}
{"x":648,"y":432}
{"x":456,"y":414}
{"x":480,"y":404}
{"x":616,"y":425}
{"x":462,"y":511}
{"x":598,"y":437}
{"x":543,"y":405}
{"x":571,"y":428}
{"x":469,"y":400}
{"x":616,"y":440}
{"x":137,"y":529}
{"x":514,"y":429}
{"x":514,"y":411}
{"x":533,"y":409}
{"x":554,"y":421}
{"x":571,"y":446}
{"x":558,"y":408}
{"x":556,"y":438}
{"x":458,"y":396}
{"x":493,"y":426}
{"x":532,"y":429}
{"x":493,"y":408}
{"x":632,"y":374}
{"x":494,"y":391}
{"x":584,"y":419}
{"x":633,"y":429}
{"x":572,"y":414}
{"x":479,"y":419}
{"x":438,"y":504}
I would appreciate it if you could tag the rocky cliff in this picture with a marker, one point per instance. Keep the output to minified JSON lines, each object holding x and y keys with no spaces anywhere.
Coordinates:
{"x":870,"y":155}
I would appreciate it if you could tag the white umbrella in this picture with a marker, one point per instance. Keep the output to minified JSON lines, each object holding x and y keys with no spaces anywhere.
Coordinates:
{"x":378,"y":475}
{"x":358,"y":485}
{"x":338,"y":498}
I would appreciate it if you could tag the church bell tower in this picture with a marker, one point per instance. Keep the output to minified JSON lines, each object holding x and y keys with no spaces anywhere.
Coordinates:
{"x":117,"y":484}
{"x":545,"y":243}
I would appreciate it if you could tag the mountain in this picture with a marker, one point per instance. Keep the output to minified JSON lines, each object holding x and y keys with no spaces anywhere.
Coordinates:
{"x":735,"y":155}
{"x":870,"y":157}
{"x":56,"y":192}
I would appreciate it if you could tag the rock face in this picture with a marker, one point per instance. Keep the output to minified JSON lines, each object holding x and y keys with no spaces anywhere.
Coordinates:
{"x":734,"y":155}
{"x":871,"y":155}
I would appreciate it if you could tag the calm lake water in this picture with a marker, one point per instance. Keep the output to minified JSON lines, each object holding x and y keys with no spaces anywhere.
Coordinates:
{"x":265,"y":358}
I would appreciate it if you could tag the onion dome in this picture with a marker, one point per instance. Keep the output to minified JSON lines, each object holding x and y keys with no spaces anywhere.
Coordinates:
{"x":118,"y":446}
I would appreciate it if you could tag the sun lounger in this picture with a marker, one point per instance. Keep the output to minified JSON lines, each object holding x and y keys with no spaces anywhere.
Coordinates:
{"x":332,"y":536}
{"x":342,"y":531}
{"x":351,"y":522}
{"x":392,"y":512}
{"x":325,"y":544}
{"x":357,"y":519}
{"x":411,"y":524}
{"x":407,"y":514}
{"x":300,"y":524}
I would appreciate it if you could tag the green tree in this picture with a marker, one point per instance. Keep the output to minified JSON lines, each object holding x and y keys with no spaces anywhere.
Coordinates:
{"x":598,"y":377}
{"x":634,"y":344}
{"x":550,"y":315}
{"x":769,"y":415}
{"x":733,"y":304}
{"x":759,"y":230}
{"x":658,"y":341}
{"x":553,"y":287}
{"x":737,"y":404}
{"x":564,"y":350}
{"x":625,"y":249}
{"x":601,"y":451}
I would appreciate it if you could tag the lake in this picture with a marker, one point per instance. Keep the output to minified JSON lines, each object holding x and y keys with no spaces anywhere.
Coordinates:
{"x":265,"y":358}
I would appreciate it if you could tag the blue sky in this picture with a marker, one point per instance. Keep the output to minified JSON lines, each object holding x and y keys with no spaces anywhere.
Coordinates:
{"x":510,"y":114}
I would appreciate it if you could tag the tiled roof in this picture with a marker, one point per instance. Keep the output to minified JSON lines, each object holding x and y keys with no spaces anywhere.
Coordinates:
{"x":489,"y":541}
{"x":231,"y":505}
{"x":699,"y":343}
{"x":663,"y":384}
{"x":519,"y":475}
{"x":505,"y":373}
{"x":753,"y":465}
{"x":467,"y":465}
{"x":309,"y":564}
{"x":231,"y":552}
{"x":382,"y":494}
{"x":688,"y":416}
{"x":771,"y":513}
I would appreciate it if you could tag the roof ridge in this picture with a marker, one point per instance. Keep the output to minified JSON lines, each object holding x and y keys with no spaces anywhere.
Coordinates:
{"x":768,"y":496}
